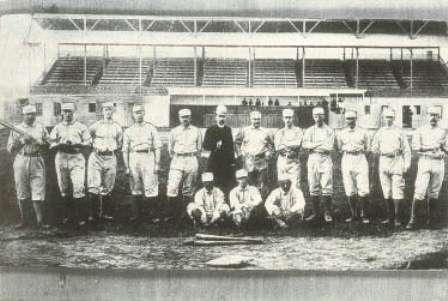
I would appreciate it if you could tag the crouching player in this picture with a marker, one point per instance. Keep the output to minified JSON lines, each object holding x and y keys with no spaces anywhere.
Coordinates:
{"x":244,"y":199}
{"x":208,"y":207}
{"x":285,"y":204}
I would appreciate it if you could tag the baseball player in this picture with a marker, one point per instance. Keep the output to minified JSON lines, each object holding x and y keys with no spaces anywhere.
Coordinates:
{"x":218,"y":140}
{"x":255,"y":145}
{"x":185,"y":145}
{"x":430,"y":143}
{"x":353,"y":142}
{"x":288,"y":141}
{"x":69,"y":138}
{"x":208,"y":207}
{"x":285,"y":204}
{"x":141,"y":156}
{"x":244,"y":199}
{"x":319,"y":141}
{"x":107,"y":138}
{"x":395,"y":159}
{"x":29,"y":166}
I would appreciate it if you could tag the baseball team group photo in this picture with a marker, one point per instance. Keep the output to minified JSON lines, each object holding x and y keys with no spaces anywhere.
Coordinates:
{"x":256,"y":137}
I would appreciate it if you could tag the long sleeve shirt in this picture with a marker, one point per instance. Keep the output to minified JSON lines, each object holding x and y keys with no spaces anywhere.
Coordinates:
{"x":430,"y":137}
{"x":319,"y":139}
{"x":291,"y":201}
{"x":185,"y":140}
{"x":223,"y":156}
{"x":141,"y":137}
{"x":353,"y":140}
{"x":291,"y":138}
{"x":253,"y":141}
{"x":390,"y":141}
{"x":75,"y":132}
{"x":106,"y":135}
{"x":240,"y":197}
{"x":37,"y":131}
{"x":209,"y":202}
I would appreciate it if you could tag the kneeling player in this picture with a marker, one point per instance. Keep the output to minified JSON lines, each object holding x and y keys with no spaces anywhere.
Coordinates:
{"x":285,"y":204}
{"x":208,"y":207}
{"x":244,"y":199}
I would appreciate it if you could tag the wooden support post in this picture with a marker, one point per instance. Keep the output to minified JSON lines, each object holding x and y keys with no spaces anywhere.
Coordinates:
{"x":303,"y":66}
{"x":357,"y":68}
{"x":85,"y":65}
{"x":411,"y":71}
{"x":249,"y":76}
{"x":195,"y":66}
{"x":140,"y":68}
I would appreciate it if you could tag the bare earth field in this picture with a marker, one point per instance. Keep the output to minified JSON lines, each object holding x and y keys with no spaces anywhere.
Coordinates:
{"x":156,"y":246}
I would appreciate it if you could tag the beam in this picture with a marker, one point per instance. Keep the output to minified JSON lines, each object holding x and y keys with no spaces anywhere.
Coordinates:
{"x":185,"y":26}
{"x":357,"y":68}
{"x":205,"y":25}
{"x":417,"y":32}
{"x":130,"y":25}
{"x":150,"y":25}
{"x":74,"y":24}
{"x":239,"y":26}
{"x":294,"y":26}
{"x":348,"y":26}
{"x":363,"y":31}
{"x":259,"y":26}
{"x":95,"y":24}
{"x":313,"y":27}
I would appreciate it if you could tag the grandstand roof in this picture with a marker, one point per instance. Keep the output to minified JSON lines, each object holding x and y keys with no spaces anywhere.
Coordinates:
{"x":433,"y":10}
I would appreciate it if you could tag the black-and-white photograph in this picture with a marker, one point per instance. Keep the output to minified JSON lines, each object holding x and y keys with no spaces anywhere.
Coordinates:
{"x":237,"y":135}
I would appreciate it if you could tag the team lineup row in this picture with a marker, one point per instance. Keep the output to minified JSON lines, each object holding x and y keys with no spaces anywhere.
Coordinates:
{"x":254,"y":146}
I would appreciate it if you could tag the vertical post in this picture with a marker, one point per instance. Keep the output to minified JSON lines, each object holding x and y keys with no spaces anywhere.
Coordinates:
{"x":249,"y":77}
{"x":154,"y":57}
{"x":343,"y":54}
{"x":59,"y":51}
{"x":297,"y":66}
{"x":401,"y":55}
{"x":140,"y":68}
{"x":195,"y":66}
{"x":85,"y":64}
{"x":391,"y":54}
{"x":411,"y":71}
{"x":303,"y":66}
{"x":357,"y":68}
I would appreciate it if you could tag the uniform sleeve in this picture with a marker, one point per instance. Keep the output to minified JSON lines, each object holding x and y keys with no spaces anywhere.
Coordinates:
{"x":239,"y":142}
{"x":233,"y":199}
{"x":417,"y":140}
{"x":126,"y":142}
{"x":171,"y":141}
{"x":298,"y":201}
{"x":198,"y":199}
{"x":270,"y":141}
{"x":329,"y":143}
{"x":366,"y":141}
{"x":308,"y":139}
{"x":85,"y":136}
{"x":375,"y":145}
{"x":45,"y":136}
{"x":157,"y":143}
{"x":339,"y":140}
{"x":406,"y":150}
{"x":199,"y":140}
{"x":13,"y":142}
{"x":256,"y":197}
{"x":219,"y":197}
{"x":54,"y":137}
{"x":270,"y":202}
{"x":92,"y":130}
{"x":277,"y":139}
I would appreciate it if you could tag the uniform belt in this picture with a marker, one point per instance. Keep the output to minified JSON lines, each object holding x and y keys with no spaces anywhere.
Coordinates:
{"x":289,"y":156}
{"x":145,"y":151}
{"x":390,"y":156}
{"x":354,"y":152}
{"x":432,"y":156}
{"x":71,"y":152}
{"x":185,"y":154}
{"x":105,"y":153}
{"x":33,"y":154}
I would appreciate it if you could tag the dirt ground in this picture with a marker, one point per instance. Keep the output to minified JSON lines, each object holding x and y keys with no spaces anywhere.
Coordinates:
{"x":148,"y":246}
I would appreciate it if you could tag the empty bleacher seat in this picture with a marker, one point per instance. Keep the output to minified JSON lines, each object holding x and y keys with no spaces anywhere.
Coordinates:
{"x":225,"y":72}
{"x":125,"y":71}
{"x":426,"y":74}
{"x":70,"y":70}
{"x":375,"y":75}
{"x":275,"y":73}
{"x":173,"y":72}
{"x":324,"y":73}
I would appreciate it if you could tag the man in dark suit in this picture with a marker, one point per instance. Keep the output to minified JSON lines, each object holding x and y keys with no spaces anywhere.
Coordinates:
{"x":218,"y":141}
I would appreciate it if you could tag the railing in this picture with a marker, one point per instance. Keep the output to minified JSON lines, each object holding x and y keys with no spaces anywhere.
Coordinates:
{"x":242,"y":120}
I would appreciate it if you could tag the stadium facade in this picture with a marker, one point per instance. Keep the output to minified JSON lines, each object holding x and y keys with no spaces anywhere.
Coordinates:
{"x":244,"y":54}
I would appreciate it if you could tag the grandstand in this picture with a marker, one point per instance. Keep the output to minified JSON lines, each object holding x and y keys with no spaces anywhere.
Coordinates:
{"x":254,"y":54}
